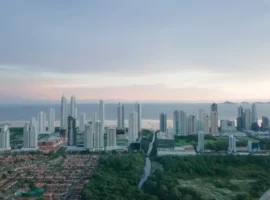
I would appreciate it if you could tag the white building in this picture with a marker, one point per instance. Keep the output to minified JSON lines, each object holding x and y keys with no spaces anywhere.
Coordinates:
{"x":200,"y":147}
{"x":176,"y":122}
{"x":101,"y":114}
{"x":227,"y":126}
{"x":111,"y":137}
{"x":26,"y":136}
{"x":138,"y":110}
{"x":88,"y":136}
{"x":119,"y":116}
{"x":254,"y":117}
{"x":4,"y":138}
{"x":232,"y":144}
{"x":183,"y":122}
{"x":41,"y":122}
{"x":94,"y":119}
{"x":97,"y":132}
{"x":248,"y":119}
{"x":33,"y":134}
{"x":191,"y":124}
{"x":73,"y":107}
{"x":133,"y":127}
{"x":82,"y":122}
{"x":203,"y":122}
{"x":64,"y":113}
{"x":51,"y":120}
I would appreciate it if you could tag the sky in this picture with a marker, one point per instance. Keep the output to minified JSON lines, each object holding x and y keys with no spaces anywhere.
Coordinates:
{"x":143,"y":50}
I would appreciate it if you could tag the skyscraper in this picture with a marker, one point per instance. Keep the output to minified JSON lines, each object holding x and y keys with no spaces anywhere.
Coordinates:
{"x":183,"y":123}
{"x":214,"y":119}
{"x":26,"y":136}
{"x":82,"y":122}
{"x":97,"y":132}
{"x":248,"y":119}
{"x":41,"y":122}
{"x":232,"y":144}
{"x":254,"y":113}
{"x":111,"y":137}
{"x":200,"y":141}
{"x":4,"y":138}
{"x":33,"y":134}
{"x":101,"y":115}
{"x":203,"y":122}
{"x":240,"y":118}
{"x":88,"y":136}
{"x":64,"y":113}
{"x":51,"y":125}
{"x":265,"y":123}
{"x":72,"y":132}
{"x":133,"y":127}
{"x":119,"y":116}
{"x":73,"y":107}
{"x":176,"y":120}
{"x":163,"y":122}
{"x":138,"y":110}
{"x":123,"y":116}
{"x":191,"y":124}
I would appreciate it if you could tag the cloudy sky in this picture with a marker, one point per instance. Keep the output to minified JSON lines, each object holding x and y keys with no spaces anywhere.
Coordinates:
{"x":148,"y":50}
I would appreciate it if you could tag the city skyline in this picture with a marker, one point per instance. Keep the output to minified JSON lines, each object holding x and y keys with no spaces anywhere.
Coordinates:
{"x":173,"y":51}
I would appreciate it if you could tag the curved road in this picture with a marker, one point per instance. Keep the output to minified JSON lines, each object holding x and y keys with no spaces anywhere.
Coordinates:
{"x":147,"y":166}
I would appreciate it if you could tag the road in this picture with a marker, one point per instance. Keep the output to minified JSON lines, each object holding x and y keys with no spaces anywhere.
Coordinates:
{"x":147,"y":166}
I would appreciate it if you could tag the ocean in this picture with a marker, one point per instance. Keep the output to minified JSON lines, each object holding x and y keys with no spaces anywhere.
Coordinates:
{"x":17,"y":115}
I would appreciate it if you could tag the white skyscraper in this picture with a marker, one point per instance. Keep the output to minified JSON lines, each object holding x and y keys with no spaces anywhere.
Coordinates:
{"x":73,"y":107}
{"x":94,"y":118}
{"x":101,"y":136}
{"x":203,"y":122}
{"x":4,"y":138}
{"x":183,"y":122}
{"x":232,"y":144}
{"x":119,"y":116}
{"x":44,"y":121}
{"x":41,"y":122}
{"x":64,"y":113}
{"x":248,"y":119}
{"x":82,"y":122}
{"x":26,"y":136}
{"x":254,"y":113}
{"x":214,"y":119}
{"x":88,"y":136}
{"x":51,"y":120}
{"x":33,"y":134}
{"x":191,"y":124}
{"x":123,"y":116}
{"x":97,"y":134}
{"x":133,"y":127}
{"x":138,"y":110}
{"x":200,"y":141}
{"x":101,"y":114}
{"x":111,"y":137}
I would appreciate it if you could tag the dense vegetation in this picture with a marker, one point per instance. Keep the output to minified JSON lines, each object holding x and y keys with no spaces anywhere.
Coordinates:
{"x":217,"y":170}
{"x":116,"y":178}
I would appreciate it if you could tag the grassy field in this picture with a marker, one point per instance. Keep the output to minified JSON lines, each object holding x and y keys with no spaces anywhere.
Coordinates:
{"x":180,"y":143}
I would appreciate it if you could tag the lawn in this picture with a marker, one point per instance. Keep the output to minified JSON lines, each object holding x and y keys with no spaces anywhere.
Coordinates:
{"x":180,"y":143}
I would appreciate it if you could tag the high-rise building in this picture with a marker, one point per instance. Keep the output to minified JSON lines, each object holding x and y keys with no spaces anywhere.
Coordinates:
{"x":51,"y":125}
{"x":101,"y":136}
{"x":227,"y":126}
{"x":88,"y":136}
{"x":4,"y":138}
{"x":82,"y":122}
{"x":163,"y":122}
{"x":232,"y":144}
{"x":183,"y":122}
{"x":64,"y":113}
{"x":72,"y":132}
{"x":240,"y":118}
{"x":191,"y":124}
{"x":33,"y":134}
{"x":111,"y":137}
{"x":203,"y":122}
{"x":73,"y":107}
{"x":41,"y":122}
{"x":265,"y":123}
{"x":123,"y":116}
{"x":254,"y":113}
{"x":200,"y":141}
{"x":26,"y":135}
{"x":101,"y":115}
{"x":176,"y":120}
{"x":248,"y":119}
{"x":44,"y":121}
{"x":97,"y":133}
{"x":214,"y":119}
{"x":119,"y":116}
{"x":138,"y":110}
{"x":133,"y":127}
